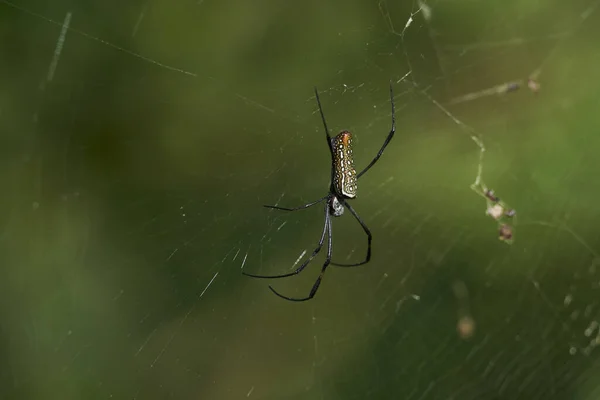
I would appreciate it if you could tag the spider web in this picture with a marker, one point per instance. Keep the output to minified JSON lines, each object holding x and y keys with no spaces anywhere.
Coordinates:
{"x":141,"y":139}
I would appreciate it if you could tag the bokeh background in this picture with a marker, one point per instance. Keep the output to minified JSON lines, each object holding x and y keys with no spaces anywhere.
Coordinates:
{"x":139,"y":144}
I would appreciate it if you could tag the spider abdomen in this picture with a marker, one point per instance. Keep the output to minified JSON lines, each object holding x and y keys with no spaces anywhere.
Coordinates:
{"x":344,"y":174}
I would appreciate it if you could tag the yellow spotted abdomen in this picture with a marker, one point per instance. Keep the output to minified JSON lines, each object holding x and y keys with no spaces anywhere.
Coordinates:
{"x":344,"y":174}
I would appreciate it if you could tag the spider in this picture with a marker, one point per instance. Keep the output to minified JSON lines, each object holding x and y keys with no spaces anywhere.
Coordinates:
{"x":341,"y":189}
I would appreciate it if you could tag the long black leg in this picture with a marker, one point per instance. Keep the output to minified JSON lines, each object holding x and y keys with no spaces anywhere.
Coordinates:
{"x":327,"y":135}
{"x":305,"y":263}
{"x":369,"y":238}
{"x":387,"y":140}
{"x":315,"y":287}
{"x":298,"y":208}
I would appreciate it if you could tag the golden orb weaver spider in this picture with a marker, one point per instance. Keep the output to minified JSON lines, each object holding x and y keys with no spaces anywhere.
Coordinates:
{"x":342,"y":188}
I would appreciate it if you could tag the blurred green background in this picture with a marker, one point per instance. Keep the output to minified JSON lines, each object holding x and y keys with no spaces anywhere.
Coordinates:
{"x":134,"y":173}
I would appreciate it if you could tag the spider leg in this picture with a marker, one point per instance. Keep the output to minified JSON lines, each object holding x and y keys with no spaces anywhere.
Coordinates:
{"x":309,"y":259}
{"x":298,"y":208}
{"x":327,"y":135}
{"x":387,"y":140}
{"x":369,"y":238}
{"x":315,"y":287}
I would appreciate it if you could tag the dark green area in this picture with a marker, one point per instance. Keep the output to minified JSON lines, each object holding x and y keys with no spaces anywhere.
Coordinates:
{"x":135,"y":177}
